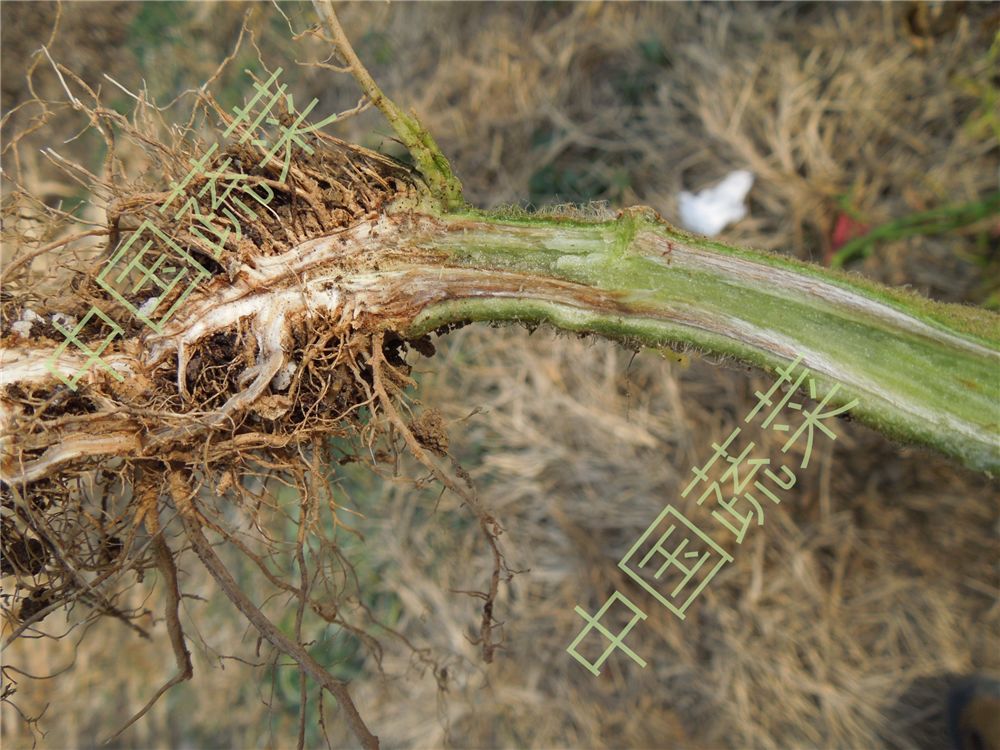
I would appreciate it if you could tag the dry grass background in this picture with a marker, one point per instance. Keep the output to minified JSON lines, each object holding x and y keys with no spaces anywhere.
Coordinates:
{"x":843,"y":620}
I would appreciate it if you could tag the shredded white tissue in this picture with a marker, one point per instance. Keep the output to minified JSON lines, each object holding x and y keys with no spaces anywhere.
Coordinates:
{"x":283,"y":379}
{"x":22,"y":328}
{"x":122,"y":368}
{"x":709,"y":211}
{"x":147,"y":307}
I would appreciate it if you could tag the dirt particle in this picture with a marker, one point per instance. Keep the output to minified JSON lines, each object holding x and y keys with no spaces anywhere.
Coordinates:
{"x":429,"y":430}
{"x":272,"y":407}
{"x":25,"y":556}
{"x":34,"y":603}
{"x":423,"y":345}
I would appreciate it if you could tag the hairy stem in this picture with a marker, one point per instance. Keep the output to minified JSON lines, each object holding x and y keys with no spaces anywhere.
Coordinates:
{"x":922,"y":372}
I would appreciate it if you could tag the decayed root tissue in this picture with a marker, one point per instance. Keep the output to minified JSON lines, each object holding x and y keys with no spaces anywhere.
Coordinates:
{"x":179,"y":434}
{"x":252,"y":377}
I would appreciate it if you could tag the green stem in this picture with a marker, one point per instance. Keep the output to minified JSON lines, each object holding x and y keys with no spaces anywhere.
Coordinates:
{"x":431,"y":162}
{"x":923,"y":372}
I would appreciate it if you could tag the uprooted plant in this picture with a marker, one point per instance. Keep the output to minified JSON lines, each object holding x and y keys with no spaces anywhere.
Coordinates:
{"x":297,"y":335}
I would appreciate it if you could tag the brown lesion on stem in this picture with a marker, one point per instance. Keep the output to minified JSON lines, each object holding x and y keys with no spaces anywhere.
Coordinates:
{"x":221,"y":361}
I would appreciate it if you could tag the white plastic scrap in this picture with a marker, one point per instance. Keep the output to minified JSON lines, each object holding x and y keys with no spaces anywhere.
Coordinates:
{"x":709,"y":211}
